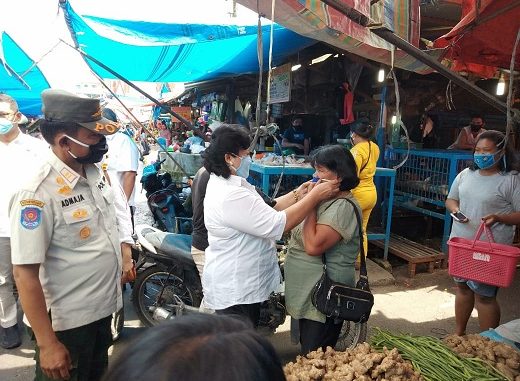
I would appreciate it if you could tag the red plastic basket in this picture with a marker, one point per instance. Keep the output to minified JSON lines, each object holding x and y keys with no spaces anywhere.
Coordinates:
{"x":484,"y":261}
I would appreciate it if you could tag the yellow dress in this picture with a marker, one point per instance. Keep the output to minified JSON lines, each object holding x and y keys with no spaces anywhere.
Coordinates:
{"x":365,"y":193}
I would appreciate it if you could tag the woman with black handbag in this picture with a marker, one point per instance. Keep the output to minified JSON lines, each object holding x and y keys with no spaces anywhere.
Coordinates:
{"x":331,"y":228}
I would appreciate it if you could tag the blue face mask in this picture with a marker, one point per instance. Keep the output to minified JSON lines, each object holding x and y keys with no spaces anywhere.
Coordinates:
{"x":5,"y":126}
{"x":484,"y":160}
{"x":243,"y":168}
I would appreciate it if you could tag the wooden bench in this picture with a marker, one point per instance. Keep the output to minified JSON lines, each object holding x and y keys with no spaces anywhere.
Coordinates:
{"x":414,"y":253}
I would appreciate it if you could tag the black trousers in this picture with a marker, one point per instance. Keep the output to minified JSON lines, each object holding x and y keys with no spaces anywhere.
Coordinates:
{"x":314,"y":334}
{"x":251,"y":312}
{"x":88,"y":348}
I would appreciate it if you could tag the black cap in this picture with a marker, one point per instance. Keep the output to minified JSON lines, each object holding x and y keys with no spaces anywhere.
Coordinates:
{"x":62,"y":106}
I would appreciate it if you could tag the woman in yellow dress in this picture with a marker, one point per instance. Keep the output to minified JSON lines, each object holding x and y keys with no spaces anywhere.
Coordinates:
{"x":366,"y":154}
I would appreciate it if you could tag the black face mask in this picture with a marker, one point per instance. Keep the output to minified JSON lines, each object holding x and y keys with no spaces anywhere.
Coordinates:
{"x":475,"y":127}
{"x":96,"y":152}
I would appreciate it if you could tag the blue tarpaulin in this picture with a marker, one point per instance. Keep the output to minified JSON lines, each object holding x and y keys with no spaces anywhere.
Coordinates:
{"x":20,"y":77}
{"x":161,"y":52}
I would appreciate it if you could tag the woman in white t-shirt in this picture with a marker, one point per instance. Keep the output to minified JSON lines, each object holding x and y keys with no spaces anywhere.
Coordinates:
{"x":490,"y":192}
{"x":241,"y":268}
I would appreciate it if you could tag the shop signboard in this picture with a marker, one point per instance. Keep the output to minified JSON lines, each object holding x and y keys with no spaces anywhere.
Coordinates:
{"x":280,"y":90}
{"x":184,"y":111}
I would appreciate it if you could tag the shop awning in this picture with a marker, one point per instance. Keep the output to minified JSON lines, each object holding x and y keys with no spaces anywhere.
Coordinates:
{"x":160,"y":52}
{"x":483,"y":40}
{"x":315,"y":19}
{"x":20,"y":77}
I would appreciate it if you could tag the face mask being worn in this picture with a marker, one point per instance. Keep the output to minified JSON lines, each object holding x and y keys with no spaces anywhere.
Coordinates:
{"x":5,"y":126}
{"x":243,"y":168}
{"x":484,"y":160}
{"x":96,"y":151}
{"x":475,"y":127}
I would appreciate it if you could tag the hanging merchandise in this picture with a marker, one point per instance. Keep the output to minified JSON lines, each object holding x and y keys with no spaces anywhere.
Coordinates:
{"x":247,"y":110}
{"x":348,"y":102}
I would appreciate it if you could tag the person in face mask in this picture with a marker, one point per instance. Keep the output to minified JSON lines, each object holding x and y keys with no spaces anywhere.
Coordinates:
{"x":66,"y":224}
{"x":468,"y":135}
{"x":20,"y":155}
{"x":241,"y":267}
{"x":490,"y":192}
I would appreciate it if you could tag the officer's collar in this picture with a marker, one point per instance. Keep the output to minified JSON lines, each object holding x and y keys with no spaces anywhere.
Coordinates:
{"x":68,"y":176}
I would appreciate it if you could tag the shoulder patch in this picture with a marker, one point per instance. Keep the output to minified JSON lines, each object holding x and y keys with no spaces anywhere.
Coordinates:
{"x":29,"y":202}
{"x":31,"y":217}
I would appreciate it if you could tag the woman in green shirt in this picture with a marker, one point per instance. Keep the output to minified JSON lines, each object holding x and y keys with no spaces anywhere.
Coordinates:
{"x":332,"y":229}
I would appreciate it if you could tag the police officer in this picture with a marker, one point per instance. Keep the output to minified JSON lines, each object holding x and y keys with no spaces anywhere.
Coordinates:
{"x":66,"y":245}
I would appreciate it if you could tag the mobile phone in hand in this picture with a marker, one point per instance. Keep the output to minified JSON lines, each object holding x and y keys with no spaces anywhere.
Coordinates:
{"x":459,"y":216}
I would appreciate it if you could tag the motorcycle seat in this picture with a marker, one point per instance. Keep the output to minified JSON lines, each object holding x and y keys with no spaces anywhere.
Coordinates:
{"x":174,"y":245}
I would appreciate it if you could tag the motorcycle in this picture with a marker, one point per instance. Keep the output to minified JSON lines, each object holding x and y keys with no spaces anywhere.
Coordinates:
{"x":168,"y":285}
{"x":167,"y":200}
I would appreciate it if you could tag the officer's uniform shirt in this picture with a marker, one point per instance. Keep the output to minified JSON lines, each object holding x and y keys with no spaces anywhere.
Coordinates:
{"x":67,"y":223}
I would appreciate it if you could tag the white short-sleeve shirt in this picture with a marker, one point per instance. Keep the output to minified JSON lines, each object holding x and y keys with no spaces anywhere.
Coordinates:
{"x":241,"y":264}
{"x":122,"y":156}
{"x":20,"y":160}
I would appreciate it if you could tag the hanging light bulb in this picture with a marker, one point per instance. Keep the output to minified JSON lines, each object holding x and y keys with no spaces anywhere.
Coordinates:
{"x":320,"y":59}
{"x":296,"y":67}
{"x":394,"y":119}
{"x":381,"y":75}
{"x":501,"y":85}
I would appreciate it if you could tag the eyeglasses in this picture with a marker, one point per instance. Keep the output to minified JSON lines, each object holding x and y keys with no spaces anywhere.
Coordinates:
{"x":250,"y":154}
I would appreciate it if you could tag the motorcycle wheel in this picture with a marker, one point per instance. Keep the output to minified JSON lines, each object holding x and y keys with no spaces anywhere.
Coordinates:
{"x":147,"y":293}
{"x":117,"y":323}
{"x":351,"y":335}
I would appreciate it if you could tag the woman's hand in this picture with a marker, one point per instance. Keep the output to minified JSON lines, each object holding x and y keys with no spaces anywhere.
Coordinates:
{"x":491,"y":219}
{"x":305,"y":188}
{"x":325,"y":190}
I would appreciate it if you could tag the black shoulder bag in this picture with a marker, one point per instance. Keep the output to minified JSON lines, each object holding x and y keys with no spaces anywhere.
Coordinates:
{"x":340,"y":301}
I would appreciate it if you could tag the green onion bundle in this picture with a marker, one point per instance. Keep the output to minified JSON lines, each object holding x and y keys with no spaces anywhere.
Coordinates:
{"x":434,"y":360}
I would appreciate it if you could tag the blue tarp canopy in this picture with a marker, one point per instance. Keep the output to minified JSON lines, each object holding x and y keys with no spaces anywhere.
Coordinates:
{"x":160,"y":52}
{"x":20,"y":77}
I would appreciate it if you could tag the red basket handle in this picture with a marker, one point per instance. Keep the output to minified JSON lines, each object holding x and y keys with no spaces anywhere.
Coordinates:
{"x":489,"y":235}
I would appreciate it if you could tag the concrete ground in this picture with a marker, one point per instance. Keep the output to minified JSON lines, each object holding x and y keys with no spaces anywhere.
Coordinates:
{"x":423,"y":305}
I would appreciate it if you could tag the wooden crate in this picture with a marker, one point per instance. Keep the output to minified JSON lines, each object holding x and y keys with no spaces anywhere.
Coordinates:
{"x":414,"y":253}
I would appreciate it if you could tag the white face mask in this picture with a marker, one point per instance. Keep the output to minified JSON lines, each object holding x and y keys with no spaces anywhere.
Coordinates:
{"x":5,"y":126}
{"x":243,"y":168}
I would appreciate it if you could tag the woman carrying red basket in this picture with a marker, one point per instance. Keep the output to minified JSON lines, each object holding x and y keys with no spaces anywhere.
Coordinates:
{"x":489,"y":191}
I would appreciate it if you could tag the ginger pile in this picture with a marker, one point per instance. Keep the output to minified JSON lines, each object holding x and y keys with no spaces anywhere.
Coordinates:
{"x":501,"y":356}
{"x":363,"y":363}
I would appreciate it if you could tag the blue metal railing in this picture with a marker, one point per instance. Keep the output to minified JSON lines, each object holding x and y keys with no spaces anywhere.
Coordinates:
{"x":426,"y":177}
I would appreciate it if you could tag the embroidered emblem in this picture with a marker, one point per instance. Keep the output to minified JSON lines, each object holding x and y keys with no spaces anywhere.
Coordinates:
{"x":65,"y":190}
{"x":110,"y":127}
{"x":69,"y":176}
{"x":31,"y":217}
{"x":32,"y":202}
{"x":60,"y":181}
{"x":84,"y":233}
{"x":97,"y":114}
{"x":80,"y":213}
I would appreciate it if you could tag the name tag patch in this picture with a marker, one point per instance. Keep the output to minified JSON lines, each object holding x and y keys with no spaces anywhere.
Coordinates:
{"x":72,"y":200}
{"x":31,"y":217}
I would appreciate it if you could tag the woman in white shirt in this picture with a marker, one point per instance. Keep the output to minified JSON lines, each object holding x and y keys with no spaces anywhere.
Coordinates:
{"x":241,"y":268}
